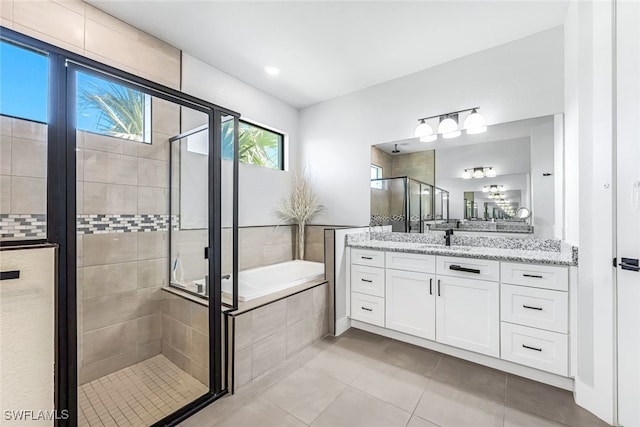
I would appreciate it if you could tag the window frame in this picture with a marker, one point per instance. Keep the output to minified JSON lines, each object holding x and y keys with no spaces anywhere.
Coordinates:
{"x":379,"y":176}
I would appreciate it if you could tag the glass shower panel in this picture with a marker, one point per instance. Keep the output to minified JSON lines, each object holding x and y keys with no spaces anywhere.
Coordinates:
{"x":427,"y":203}
{"x":136,"y":333}
{"x":415,"y":206}
{"x":229,"y":262}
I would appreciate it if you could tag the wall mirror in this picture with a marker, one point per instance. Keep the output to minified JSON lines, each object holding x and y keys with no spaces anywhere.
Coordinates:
{"x":473,"y":183}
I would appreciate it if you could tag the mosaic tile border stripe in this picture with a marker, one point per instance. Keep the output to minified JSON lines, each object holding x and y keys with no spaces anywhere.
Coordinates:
{"x":123,"y":223}
{"x":23,"y":226}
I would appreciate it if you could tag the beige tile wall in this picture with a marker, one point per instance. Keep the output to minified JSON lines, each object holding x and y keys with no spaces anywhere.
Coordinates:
{"x":269,"y":335}
{"x":23,"y":166}
{"x":83,"y":29}
{"x":185,"y":335}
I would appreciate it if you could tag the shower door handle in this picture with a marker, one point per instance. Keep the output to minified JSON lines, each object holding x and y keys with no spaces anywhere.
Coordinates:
{"x":226,"y":277}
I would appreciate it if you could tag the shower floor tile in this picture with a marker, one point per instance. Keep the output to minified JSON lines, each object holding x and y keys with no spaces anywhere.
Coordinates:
{"x":138,"y":395}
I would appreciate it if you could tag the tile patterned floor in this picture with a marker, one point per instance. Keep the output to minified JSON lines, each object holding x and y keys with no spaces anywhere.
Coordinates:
{"x":362,"y":379}
{"x":138,"y":395}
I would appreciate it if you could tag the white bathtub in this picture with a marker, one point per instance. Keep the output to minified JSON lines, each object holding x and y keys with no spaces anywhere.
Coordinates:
{"x":263,"y":281}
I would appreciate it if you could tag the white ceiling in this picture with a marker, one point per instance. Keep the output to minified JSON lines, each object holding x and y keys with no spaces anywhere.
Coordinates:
{"x":327,"y":49}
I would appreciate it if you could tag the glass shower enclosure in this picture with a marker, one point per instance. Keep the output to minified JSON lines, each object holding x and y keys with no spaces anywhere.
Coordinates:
{"x":404,"y":203}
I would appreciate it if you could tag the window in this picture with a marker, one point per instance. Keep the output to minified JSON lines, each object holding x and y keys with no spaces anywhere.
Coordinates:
{"x":24,"y":99}
{"x":24,"y":83}
{"x":376,"y":173}
{"x":112,"y":109}
{"x":258,"y":146}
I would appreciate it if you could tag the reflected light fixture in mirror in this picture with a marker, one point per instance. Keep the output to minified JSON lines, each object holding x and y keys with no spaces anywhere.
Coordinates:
{"x":466,"y":174}
{"x":478,"y":173}
{"x":491,"y":173}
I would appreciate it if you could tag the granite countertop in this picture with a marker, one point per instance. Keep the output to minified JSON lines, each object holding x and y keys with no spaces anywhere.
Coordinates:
{"x":482,"y":230}
{"x":539,"y":251}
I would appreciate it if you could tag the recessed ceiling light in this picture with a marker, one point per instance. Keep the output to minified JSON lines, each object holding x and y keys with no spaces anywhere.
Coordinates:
{"x":272,"y":71}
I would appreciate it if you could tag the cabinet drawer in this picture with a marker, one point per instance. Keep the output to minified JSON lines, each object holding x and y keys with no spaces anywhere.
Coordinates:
{"x":538,"y":308}
{"x":367,"y":257}
{"x":538,"y":349}
{"x":411,"y":262}
{"x":367,"y":280}
{"x":535,"y":275}
{"x":367,"y":308}
{"x":468,"y":268}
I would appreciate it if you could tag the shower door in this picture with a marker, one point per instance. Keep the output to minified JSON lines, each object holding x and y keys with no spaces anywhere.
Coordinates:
{"x":146,"y":350}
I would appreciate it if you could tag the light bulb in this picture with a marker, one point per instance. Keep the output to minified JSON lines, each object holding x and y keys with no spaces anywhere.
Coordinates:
{"x":485,"y":189}
{"x":450,"y":135}
{"x":423,"y":129}
{"x":466,"y":174}
{"x":447,"y":125}
{"x":429,"y":138}
{"x":491,"y":173}
{"x":478,"y":173}
{"x":475,"y":123}
{"x":493,"y":189}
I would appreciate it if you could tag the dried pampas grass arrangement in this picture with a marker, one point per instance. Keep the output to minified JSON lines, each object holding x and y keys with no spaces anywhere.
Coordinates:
{"x":299,"y":207}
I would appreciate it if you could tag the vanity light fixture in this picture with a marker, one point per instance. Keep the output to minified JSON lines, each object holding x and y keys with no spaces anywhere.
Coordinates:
{"x":475,"y":123}
{"x":424,"y":131}
{"x":485,"y":189}
{"x":449,"y":125}
{"x":481,"y":172}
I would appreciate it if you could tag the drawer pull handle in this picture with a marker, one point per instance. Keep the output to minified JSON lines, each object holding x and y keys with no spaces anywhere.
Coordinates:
{"x":465,"y":269}
{"x":530,"y":307}
{"x":438,"y":287}
{"x":366,"y":308}
{"x":531,"y":348}
{"x":10,"y":275}
{"x":533,"y":276}
{"x":367,"y":280}
{"x":430,"y":286}
{"x":366,"y":257}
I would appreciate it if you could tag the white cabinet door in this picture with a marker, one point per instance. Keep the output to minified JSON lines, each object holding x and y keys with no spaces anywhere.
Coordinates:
{"x":468,"y":314}
{"x":410,"y":303}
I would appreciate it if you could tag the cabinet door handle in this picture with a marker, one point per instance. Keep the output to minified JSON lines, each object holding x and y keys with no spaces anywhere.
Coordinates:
{"x":465,"y":269}
{"x":438,"y":287}
{"x":430,"y":286}
{"x":533,"y":276}
{"x":367,"y":280}
{"x":531,"y":348}
{"x":530,"y":307}
{"x":366,"y":257}
{"x":10,"y":275}
{"x":366,"y":308}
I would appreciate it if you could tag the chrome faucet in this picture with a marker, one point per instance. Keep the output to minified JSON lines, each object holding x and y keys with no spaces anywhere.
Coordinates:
{"x":447,"y":237}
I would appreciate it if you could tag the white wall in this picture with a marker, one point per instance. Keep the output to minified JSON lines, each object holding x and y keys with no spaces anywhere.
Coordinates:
{"x":260,"y":188}
{"x":542,"y":187}
{"x":588,"y":168}
{"x":518,"y":80}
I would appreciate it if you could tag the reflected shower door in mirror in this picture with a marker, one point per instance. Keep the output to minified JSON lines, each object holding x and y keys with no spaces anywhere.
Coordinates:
{"x":402,"y":192}
{"x":481,"y":180}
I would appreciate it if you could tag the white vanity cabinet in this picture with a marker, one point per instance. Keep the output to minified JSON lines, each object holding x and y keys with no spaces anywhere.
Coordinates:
{"x":517,"y":312}
{"x":468,"y":314}
{"x":535,"y":316}
{"x":410,"y":294}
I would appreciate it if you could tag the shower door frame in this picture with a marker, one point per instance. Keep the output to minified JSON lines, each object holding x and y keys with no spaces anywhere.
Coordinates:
{"x":61,"y":218}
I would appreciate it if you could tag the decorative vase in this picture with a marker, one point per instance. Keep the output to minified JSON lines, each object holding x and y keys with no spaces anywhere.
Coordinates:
{"x":301,"y":240}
